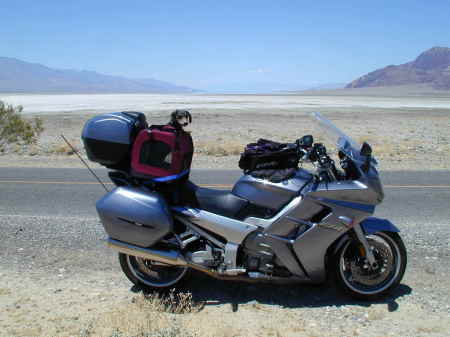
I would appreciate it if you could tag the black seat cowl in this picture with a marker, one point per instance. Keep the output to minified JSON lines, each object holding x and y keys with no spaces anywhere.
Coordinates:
{"x":221,"y":202}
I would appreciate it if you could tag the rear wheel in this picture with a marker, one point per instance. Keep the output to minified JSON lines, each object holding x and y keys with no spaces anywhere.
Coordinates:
{"x":151,"y":275}
{"x":358,"y":279}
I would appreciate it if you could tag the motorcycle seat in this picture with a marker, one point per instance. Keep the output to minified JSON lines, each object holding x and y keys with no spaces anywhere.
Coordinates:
{"x":221,"y":202}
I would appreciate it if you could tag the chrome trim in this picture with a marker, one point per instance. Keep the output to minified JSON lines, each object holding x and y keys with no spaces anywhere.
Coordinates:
{"x":230,"y":257}
{"x":199,"y":231}
{"x":362,"y":238}
{"x":168,"y":257}
{"x":299,"y":221}
{"x":230,"y":229}
{"x":234,"y":272}
{"x":346,"y":220}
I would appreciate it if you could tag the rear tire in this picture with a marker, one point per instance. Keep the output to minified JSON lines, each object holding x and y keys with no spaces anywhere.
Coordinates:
{"x":151,"y":275}
{"x":356,"y":279}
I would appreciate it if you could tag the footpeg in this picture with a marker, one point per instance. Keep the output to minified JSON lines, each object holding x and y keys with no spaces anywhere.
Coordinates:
{"x":234,"y":272}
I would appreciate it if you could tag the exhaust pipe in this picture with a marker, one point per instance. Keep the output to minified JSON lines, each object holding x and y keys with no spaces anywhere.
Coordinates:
{"x":168,"y":257}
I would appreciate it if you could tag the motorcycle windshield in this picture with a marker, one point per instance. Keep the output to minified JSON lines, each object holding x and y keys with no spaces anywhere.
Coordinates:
{"x":337,"y":137}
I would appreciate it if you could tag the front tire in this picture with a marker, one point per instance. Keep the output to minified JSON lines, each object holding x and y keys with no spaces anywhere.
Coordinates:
{"x":151,"y":275}
{"x":356,"y":278}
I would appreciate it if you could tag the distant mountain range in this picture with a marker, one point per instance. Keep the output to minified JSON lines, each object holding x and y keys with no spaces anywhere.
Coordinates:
{"x":17,"y":76}
{"x":432,"y":68}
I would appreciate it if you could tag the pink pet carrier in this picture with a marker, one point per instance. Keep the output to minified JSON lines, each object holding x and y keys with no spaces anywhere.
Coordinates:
{"x":162,"y":153}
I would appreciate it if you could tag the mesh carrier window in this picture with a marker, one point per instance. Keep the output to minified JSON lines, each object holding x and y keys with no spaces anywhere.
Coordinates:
{"x":156,"y":153}
{"x":187,"y":160}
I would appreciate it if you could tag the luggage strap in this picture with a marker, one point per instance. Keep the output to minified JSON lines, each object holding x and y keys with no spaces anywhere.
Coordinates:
{"x":172,"y":177}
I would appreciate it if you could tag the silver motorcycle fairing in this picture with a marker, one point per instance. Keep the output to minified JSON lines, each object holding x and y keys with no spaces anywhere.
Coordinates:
{"x":349,"y":202}
{"x":230,"y":229}
{"x":234,"y":232}
{"x":265,"y":193}
{"x":312,"y":246}
{"x":342,"y":199}
{"x":266,"y":223}
{"x":304,"y":254}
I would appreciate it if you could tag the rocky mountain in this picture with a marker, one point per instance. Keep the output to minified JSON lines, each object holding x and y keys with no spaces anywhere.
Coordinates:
{"x":432,"y":67}
{"x":20,"y":76}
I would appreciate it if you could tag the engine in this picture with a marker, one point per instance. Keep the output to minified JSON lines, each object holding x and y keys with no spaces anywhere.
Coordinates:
{"x":255,"y":256}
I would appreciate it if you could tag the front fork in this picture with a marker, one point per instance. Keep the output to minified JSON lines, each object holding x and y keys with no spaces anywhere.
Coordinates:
{"x":363,"y":240}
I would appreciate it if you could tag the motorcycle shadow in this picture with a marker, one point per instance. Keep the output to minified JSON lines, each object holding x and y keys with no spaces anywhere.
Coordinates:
{"x":209,"y":291}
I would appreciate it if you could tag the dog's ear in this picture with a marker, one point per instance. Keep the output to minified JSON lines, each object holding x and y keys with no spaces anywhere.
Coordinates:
{"x":173,"y":117}
{"x":189,"y":116}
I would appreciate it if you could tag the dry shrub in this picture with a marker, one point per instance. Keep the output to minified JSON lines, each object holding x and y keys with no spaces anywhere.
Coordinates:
{"x":402,"y":149}
{"x":146,"y":316}
{"x":63,"y":149}
{"x":173,"y":302}
{"x":16,"y":129}
{"x":220,"y":148}
{"x":5,"y":291}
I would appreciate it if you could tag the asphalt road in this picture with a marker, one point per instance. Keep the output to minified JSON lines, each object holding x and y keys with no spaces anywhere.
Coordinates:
{"x":418,"y":195}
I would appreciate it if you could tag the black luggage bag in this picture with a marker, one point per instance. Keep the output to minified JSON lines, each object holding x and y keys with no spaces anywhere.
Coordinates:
{"x":265,"y":157}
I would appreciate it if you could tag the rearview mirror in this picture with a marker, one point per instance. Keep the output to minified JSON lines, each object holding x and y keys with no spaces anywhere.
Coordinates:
{"x":366,"y":150}
{"x":306,"y":141}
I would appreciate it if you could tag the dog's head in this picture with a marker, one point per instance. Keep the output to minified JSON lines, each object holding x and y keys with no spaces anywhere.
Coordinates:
{"x":180,"y":118}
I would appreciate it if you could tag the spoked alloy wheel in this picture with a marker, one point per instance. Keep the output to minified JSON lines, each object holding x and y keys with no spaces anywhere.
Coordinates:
{"x":360,"y":280}
{"x":150,"y":274}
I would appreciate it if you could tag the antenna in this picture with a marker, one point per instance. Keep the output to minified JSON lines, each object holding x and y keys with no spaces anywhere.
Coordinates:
{"x":84,"y":162}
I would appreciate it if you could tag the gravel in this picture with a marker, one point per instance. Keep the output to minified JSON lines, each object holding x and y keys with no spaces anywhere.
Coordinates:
{"x":59,"y":269}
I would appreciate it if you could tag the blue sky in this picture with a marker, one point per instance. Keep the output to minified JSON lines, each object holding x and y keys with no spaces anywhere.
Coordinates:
{"x":215,"y":45}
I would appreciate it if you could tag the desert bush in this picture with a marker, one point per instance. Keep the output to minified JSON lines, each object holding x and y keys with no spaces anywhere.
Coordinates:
{"x":220,"y":148}
{"x":173,"y":302}
{"x":148,"y":315}
{"x":63,"y":149}
{"x":16,"y":129}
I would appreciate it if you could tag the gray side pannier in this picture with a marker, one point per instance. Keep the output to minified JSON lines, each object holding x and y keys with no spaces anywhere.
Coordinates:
{"x":132,"y":216}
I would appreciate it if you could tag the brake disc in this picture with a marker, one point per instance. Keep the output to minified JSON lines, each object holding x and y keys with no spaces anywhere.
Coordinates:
{"x":361,"y":271}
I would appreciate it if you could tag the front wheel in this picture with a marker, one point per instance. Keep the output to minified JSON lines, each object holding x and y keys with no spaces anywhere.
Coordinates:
{"x":358,"y":279}
{"x":151,"y":275}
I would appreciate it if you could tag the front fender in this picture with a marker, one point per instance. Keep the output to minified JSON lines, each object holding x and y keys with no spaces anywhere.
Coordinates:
{"x":372,"y":225}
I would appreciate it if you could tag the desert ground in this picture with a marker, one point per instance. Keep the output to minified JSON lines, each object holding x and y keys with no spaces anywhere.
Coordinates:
{"x":50,"y":287}
{"x":406,"y":132}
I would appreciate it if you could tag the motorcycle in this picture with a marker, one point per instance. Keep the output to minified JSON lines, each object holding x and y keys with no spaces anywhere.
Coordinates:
{"x":309,"y":228}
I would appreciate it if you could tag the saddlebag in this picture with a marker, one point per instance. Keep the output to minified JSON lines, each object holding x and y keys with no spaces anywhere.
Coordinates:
{"x":267,"y":155}
{"x":133,"y":216}
{"x":108,"y":138}
{"x":162,"y":153}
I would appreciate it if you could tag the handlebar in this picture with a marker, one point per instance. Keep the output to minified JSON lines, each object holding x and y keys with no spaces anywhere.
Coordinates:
{"x":316,"y":153}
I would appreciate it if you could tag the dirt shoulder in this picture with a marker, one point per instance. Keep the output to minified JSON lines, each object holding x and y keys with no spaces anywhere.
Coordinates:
{"x":59,"y":279}
{"x":402,"y":139}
